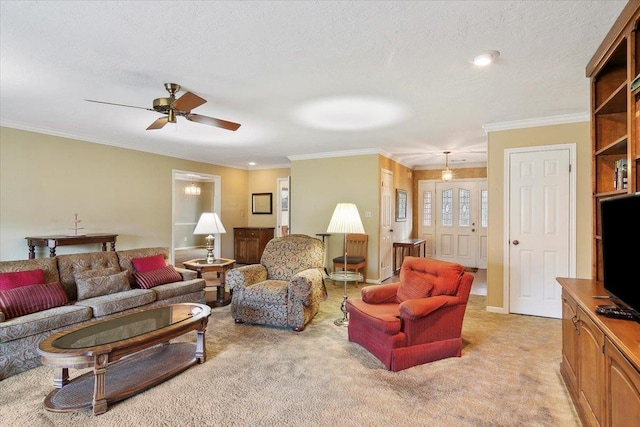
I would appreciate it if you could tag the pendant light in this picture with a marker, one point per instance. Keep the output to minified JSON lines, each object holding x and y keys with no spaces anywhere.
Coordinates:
{"x":447,"y":174}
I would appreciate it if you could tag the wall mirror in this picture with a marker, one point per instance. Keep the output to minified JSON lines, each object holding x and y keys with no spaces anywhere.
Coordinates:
{"x":262,"y":203}
{"x":401,"y":205}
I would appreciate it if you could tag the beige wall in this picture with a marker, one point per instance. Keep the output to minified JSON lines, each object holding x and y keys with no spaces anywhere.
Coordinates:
{"x":318,"y":185}
{"x":45,"y":180}
{"x":265,"y":181}
{"x":578,"y":133}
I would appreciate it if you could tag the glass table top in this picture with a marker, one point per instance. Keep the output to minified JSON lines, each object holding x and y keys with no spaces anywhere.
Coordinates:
{"x":125,"y":327}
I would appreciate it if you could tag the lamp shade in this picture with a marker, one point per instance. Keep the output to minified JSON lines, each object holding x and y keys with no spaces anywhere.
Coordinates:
{"x":209,"y":223}
{"x":346,"y":219}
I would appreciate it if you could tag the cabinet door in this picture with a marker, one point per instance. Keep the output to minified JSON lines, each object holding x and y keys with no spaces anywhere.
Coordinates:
{"x":570,"y":343}
{"x":590,"y":369}
{"x":622,"y":389}
{"x":253,"y":250}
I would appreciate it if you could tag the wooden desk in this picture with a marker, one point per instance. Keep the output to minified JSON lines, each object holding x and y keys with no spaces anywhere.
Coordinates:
{"x":54,"y":241}
{"x":220,"y":266}
{"x":408,"y":247}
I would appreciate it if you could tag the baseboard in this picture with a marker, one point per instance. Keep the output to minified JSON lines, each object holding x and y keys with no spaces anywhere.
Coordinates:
{"x":500,"y":310}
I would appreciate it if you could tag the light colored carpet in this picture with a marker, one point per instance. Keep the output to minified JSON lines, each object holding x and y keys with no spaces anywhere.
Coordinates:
{"x":508,"y":375}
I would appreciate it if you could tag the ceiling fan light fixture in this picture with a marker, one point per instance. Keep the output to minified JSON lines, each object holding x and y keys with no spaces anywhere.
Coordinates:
{"x":172,"y":116}
{"x":447,"y":174}
{"x":486,"y":58}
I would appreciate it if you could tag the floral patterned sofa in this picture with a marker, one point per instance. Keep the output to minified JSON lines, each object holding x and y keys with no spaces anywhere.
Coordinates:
{"x":79,"y":288}
{"x":285,"y":289}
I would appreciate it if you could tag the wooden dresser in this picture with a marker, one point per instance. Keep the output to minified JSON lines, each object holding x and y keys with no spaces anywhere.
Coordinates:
{"x":600,"y":357}
{"x":249,"y":243}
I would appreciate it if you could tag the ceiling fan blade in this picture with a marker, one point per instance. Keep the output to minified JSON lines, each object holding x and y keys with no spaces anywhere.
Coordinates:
{"x":213,"y":122}
{"x":159,"y":124}
{"x":188,"y":102}
{"x":119,"y":105}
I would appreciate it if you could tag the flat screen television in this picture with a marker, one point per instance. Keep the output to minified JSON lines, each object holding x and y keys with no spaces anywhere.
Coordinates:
{"x":620,"y":221}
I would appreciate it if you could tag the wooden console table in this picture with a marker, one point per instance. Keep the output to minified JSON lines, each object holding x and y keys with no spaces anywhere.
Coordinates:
{"x":54,"y":241}
{"x":409,"y":247}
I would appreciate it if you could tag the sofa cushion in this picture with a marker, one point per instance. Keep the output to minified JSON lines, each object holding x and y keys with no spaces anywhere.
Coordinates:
{"x":125,"y":257}
{"x":120,"y":301}
{"x":159,"y":276}
{"x":15,"y":279}
{"x":175,"y":289}
{"x":148,"y":263}
{"x":43,"y":321}
{"x":70,"y":265}
{"x":95,"y":283}
{"x":31,"y":299}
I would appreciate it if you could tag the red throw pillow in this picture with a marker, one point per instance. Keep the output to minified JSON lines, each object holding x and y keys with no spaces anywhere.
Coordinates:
{"x":32,"y":298}
{"x":148,"y":263}
{"x":159,"y":276}
{"x":15,"y":279}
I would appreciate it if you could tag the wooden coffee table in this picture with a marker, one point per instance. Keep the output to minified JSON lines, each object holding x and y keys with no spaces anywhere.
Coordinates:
{"x":102,"y":344}
{"x":220,"y":266}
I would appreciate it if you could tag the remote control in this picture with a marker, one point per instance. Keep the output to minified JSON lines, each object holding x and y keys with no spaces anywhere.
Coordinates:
{"x":615,"y":312}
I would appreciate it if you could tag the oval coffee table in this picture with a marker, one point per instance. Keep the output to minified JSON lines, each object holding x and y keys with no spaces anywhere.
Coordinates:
{"x":142,"y":335}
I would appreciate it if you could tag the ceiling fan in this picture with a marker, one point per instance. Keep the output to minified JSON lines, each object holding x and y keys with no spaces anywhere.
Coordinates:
{"x":172,"y":107}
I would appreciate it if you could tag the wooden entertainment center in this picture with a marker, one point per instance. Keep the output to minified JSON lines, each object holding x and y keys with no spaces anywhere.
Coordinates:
{"x":601,"y":356}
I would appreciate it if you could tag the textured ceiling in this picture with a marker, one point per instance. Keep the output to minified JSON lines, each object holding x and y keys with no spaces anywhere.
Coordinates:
{"x":257,"y":62}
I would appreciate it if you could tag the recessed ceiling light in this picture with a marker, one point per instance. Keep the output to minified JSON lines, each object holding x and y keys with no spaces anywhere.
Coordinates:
{"x":252,"y":163}
{"x":350,"y":113}
{"x":486,"y":58}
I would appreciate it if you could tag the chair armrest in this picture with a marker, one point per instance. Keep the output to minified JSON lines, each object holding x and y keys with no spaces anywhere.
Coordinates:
{"x":246,"y":275}
{"x":187,"y":274}
{"x":420,"y":307}
{"x":380,"y":294}
{"x":303,"y":283}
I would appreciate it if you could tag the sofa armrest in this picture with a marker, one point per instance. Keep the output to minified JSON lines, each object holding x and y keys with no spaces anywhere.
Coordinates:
{"x":303,"y":283}
{"x":2,"y":317}
{"x":380,"y":294}
{"x":420,"y":307}
{"x":187,"y":274}
{"x":246,"y":275}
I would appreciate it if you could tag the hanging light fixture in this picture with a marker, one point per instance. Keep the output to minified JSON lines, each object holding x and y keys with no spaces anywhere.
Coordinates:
{"x":447,"y":174}
{"x":192,"y":190}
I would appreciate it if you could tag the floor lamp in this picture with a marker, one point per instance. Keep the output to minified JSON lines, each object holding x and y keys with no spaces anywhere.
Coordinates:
{"x":345,"y":219}
{"x":210,"y":224}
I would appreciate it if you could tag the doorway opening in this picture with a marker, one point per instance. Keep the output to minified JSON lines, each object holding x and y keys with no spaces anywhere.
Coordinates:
{"x":192,"y":194}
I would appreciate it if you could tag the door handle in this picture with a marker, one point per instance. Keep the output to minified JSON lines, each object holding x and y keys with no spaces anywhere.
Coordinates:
{"x":515,"y":242}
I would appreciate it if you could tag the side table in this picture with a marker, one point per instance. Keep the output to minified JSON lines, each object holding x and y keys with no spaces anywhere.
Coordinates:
{"x":220,"y":266}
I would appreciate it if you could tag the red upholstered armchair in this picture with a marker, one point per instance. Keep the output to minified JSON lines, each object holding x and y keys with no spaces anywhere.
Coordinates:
{"x":416,"y":320}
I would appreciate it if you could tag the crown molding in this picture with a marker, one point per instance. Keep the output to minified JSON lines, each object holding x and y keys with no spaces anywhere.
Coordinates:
{"x":330,"y":154}
{"x":541,"y":121}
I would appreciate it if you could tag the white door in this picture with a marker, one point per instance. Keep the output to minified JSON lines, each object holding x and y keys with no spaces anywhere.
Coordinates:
{"x":426,"y":220}
{"x":456,"y":213}
{"x":282,"y":207}
{"x":539,"y":211}
{"x":387,"y":216}
{"x":482,"y":225}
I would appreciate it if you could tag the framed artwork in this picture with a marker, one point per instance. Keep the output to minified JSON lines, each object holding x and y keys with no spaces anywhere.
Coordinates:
{"x":401,"y":205}
{"x":284,"y":195}
{"x":262,"y":203}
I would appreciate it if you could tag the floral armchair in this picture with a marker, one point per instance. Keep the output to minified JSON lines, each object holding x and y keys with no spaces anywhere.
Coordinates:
{"x":285,"y":289}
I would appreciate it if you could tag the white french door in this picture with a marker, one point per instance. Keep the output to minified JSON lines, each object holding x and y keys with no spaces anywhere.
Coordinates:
{"x":453,"y":219}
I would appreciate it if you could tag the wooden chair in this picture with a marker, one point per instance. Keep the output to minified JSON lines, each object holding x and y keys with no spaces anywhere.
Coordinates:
{"x":356,"y":255}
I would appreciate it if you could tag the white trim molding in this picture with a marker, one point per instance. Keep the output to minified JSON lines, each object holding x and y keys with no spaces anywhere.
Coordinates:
{"x":542,"y":121}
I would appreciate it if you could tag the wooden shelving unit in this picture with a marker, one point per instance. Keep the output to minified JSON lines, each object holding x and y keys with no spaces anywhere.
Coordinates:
{"x":615,"y":116}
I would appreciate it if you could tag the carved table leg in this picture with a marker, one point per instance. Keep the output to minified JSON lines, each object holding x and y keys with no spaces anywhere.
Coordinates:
{"x":32,"y":251}
{"x":99,"y":396}
{"x":60,"y":377}
{"x":201,"y":346}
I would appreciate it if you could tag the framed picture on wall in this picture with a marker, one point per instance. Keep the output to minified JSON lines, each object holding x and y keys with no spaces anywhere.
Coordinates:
{"x":401,"y":205}
{"x":262,"y":203}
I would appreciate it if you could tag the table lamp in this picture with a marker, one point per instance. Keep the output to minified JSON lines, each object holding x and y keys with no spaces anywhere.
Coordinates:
{"x":210,"y":224}
{"x":345,"y":219}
